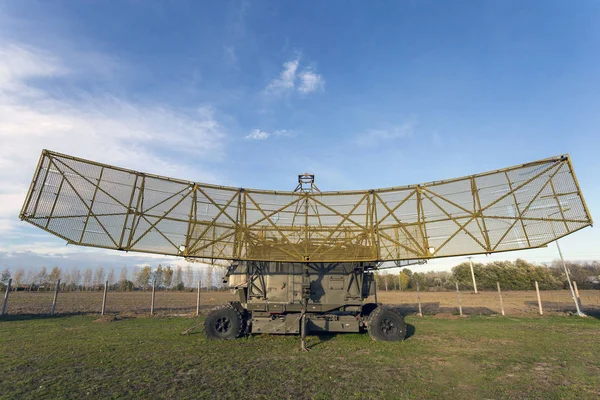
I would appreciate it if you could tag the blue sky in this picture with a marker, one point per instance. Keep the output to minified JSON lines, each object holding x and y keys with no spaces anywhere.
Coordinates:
{"x":253,"y":93}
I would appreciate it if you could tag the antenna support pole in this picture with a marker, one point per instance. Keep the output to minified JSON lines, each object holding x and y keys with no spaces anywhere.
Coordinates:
{"x":305,"y":298}
{"x":473,"y":275}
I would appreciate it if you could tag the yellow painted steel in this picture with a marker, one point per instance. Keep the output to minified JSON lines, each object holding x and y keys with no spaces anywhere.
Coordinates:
{"x":98,"y":205}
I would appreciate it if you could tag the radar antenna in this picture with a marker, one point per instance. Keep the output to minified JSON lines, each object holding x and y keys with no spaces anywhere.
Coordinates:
{"x":305,"y":257}
{"x":98,"y":205}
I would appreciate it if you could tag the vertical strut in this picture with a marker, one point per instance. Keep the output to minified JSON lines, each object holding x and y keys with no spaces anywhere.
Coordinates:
{"x":87,"y":219}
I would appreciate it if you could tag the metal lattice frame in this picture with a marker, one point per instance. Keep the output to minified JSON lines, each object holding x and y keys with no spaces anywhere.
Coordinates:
{"x":98,"y":205}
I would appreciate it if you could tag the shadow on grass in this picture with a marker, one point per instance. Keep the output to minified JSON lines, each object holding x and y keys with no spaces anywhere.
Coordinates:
{"x":434,"y":308}
{"x":555,"y":306}
{"x":26,"y":317}
{"x":114,"y":316}
{"x":323,"y":338}
{"x":595,"y":313}
{"x":410,"y":331}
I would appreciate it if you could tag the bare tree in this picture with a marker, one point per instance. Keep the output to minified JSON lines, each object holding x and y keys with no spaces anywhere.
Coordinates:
{"x":98,"y":276}
{"x":189,"y":276}
{"x":5,"y":276}
{"x":136,"y":274}
{"x":30,"y":278}
{"x":111,"y":276}
{"x":124,"y":283}
{"x":209,"y":277}
{"x":178,"y":279}
{"x":168,"y":276}
{"x":41,"y":277}
{"x":159,"y":275}
{"x":75,"y":280}
{"x":54,"y":276}
{"x":87,"y":278}
{"x":18,"y":277}
{"x":200,"y":276}
{"x":65,"y":278}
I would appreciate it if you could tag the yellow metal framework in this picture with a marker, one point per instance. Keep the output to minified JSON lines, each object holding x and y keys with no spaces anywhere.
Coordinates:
{"x":98,"y":205}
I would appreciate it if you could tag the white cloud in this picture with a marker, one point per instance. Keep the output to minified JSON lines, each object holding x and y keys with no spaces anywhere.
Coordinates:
{"x":103,"y":127}
{"x":310,"y":81}
{"x":286,"y":79}
{"x":258,"y":134}
{"x":20,"y":63}
{"x":373,"y":137}
{"x":291,"y":79}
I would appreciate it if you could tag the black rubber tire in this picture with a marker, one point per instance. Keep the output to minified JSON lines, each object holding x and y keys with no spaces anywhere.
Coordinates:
{"x":224,"y":323}
{"x":386,"y":325}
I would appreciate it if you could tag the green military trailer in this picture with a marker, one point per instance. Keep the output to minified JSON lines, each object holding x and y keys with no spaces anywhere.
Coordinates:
{"x":290,"y":298}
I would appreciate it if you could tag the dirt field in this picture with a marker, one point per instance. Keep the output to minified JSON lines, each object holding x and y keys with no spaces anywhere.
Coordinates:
{"x":182,"y":303}
{"x":487,"y":303}
{"x":166,"y":303}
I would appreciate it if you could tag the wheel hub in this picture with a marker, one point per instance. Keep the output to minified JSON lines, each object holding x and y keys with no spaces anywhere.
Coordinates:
{"x":388,"y":327}
{"x":223,"y":325}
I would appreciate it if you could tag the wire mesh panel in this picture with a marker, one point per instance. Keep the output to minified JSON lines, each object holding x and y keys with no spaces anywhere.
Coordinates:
{"x":93,"y":204}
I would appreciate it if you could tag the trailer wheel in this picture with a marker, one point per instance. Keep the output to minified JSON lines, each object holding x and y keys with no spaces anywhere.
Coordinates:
{"x":224,"y":322}
{"x":386,"y":325}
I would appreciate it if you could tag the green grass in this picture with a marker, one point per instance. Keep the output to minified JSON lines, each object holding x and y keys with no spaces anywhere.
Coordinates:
{"x":477,"y":357}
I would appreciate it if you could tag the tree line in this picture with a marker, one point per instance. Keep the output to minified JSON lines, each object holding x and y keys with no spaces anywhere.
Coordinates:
{"x":141,"y":278}
{"x":512,"y":275}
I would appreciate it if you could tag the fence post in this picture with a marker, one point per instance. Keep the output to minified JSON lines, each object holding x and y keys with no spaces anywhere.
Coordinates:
{"x":153,"y":294}
{"x":198,"y":300}
{"x":473,"y":275}
{"x":458,"y":298}
{"x":500,"y":294}
{"x":537,"y":290}
{"x":6,"y":298}
{"x":577,"y":294}
{"x":55,"y":296}
{"x":419,"y":300}
{"x":104,"y":298}
{"x":577,"y":305}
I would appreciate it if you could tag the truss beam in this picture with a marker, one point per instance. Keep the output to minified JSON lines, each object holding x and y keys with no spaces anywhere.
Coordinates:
{"x":98,"y":205}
